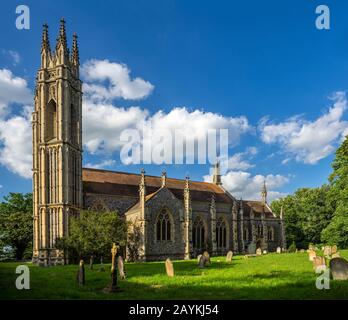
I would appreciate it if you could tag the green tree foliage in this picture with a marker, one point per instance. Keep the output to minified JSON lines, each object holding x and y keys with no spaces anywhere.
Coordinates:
{"x":337,"y":230}
{"x":319,"y":214}
{"x":306,"y":214}
{"x":16,"y":223}
{"x":92,"y":233}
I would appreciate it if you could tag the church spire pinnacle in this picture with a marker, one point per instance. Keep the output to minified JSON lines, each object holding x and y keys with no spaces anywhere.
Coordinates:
{"x":62,"y":46}
{"x":75,"y":58}
{"x":45,"y":43}
{"x":164,"y":178}
{"x":217,"y":174}
{"x":264,"y":193}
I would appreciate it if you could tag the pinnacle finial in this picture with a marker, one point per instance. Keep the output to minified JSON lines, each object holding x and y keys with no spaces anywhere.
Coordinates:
{"x":217,"y":174}
{"x":75,"y":57}
{"x":45,"y":43}
{"x":61,"y":40}
{"x":264,"y":193}
{"x":187,"y":182}
{"x":164,"y":178}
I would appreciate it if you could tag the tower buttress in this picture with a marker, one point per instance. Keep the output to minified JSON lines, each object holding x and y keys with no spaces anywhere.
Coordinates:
{"x":57,"y":149}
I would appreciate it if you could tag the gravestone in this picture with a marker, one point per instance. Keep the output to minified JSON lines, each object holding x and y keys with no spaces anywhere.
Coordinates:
{"x":339,"y":268}
{"x":302,"y":251}
{"x":318,"y":262}
{"x":252,"y":248}
{"x":81,"y":274}
{"x":112,"y":287}
{"x":336,"y":255}
{"x":207,"y":257}
{"x":311,"y":255}
{"x":259,"y":252}
{"x":199,"y":258}
{"x":327,"y":251}
{"x":120,"y":267}
{"x":279,"y":250}
{"x":333,"y":249}
{"x":169,"y":268}
{"x":310,"y":247}
{"x":264,"y":252}
{"x":229,"y":256}
{"x":202,"y":262}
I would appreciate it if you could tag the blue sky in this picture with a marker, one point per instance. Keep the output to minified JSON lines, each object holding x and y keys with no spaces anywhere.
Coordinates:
{"x":234,"y":59}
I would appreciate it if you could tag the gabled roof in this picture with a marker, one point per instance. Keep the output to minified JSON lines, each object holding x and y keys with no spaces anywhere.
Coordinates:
{"x":127,"y":184}
{"x":257,"y":207}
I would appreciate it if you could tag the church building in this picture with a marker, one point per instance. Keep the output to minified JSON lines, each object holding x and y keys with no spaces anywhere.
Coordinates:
{"x":169,"y":217}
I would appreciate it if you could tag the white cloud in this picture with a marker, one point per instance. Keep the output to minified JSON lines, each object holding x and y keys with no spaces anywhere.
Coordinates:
{"x":237,"y":161}
{"x":101,"y":165}
{"x":309,"y":141}
{"x":103,"y":124}
{"x":15,"y":143}
{"x":242,"y":184}
{"x":119,"y":83}
{"x":12,"y":90}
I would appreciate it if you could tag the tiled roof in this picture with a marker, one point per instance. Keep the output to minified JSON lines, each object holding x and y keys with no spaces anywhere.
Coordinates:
{"x":127,"y":184}
{"x":257,"y":207}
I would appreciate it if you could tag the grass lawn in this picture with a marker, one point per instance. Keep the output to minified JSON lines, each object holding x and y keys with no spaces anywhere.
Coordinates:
{"x":273,"y":276}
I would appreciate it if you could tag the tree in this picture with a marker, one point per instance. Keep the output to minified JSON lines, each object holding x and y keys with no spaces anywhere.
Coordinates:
{"x":92,"y":233}
{"x":16,"y":223}
{"x":337,"y":230}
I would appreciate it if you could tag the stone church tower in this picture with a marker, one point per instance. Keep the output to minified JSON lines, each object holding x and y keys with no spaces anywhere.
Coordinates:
{"x":57,"y":146}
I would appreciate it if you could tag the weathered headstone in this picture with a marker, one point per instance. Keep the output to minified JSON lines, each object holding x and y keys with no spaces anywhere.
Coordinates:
{"x":199,"y":258}
{"x":91,"y":261}
{"x":120,"y":267}
{"x":336,"y":255}
{"x":207,"y":257}
{"x":279,"y":250}
{"x":81,"y":274}
{"x":327,"y":251}
{"x":311,"y":247}
{"x":311,"y":255}
{"x":202,"y":262}
{"x":339,"y":268}
{"x":264,"y":252}
{"x":258,"y":251}
{"x":333,"y":249}
{"x":302,"y":251}
{"x":229,"y":256}
{"x":169,"y":268}
{"x":318,"y":262}
{"x":252,"y":248}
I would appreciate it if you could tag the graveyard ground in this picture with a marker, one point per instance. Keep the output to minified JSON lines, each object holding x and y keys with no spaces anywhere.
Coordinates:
{"x":272,"y":276}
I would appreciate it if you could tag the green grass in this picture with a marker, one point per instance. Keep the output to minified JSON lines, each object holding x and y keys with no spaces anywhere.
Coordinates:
{"x":273,"y":276}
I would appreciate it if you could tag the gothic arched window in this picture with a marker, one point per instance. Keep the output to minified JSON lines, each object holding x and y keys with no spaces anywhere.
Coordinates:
{"x":73,"y":124}
{"x":51,"y":121}
{"x":259,"y":231}
{"x":198,"y":233}
{"x":221,"y":233}
{"x":270,"y":233}
{"x":246,"y":234}
{"x":163,"y":226}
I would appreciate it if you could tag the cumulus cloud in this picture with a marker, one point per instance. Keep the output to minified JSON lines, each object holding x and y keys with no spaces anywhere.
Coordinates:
{"x":244,"y":185}
{"x":309,"y":141}
{"x":12,"y":90}
{"x":105,"y":81}
{"x":15,"y":142}
{"x":238,"y":161}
